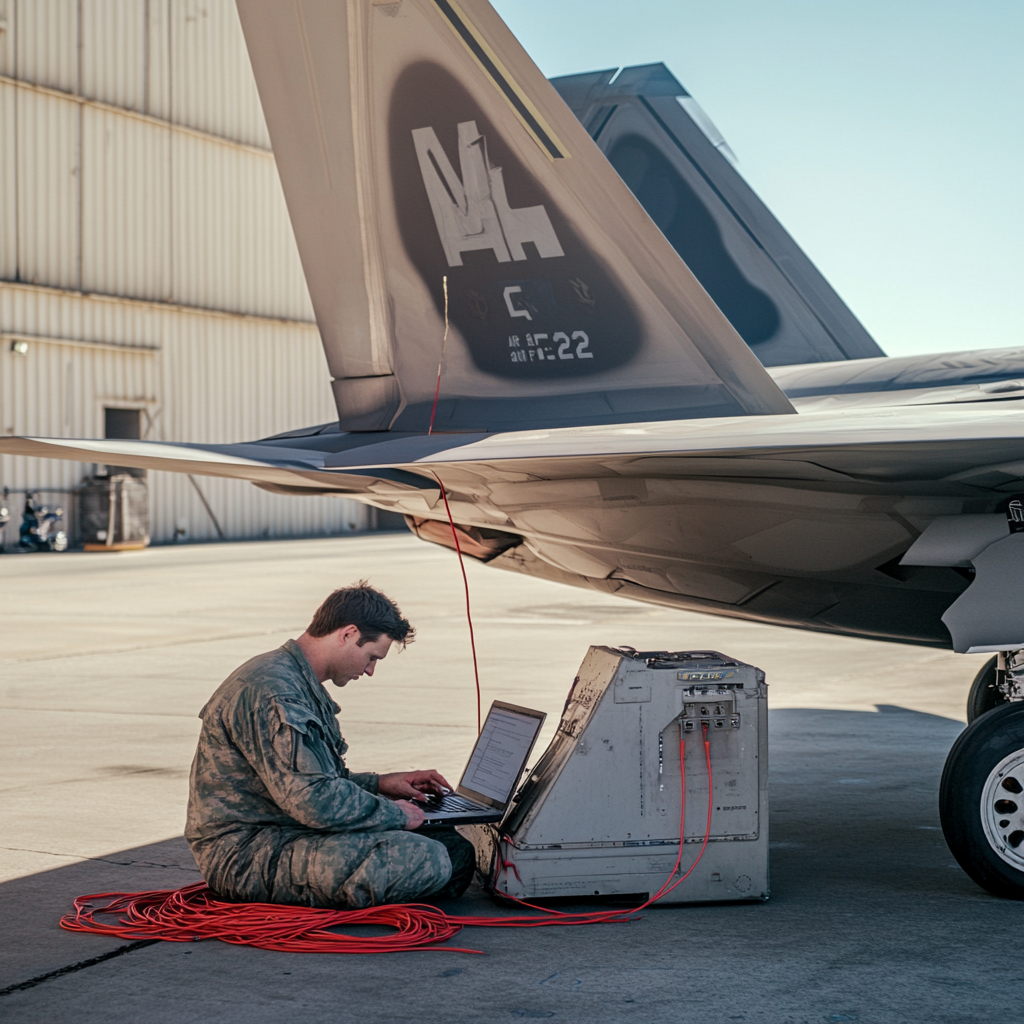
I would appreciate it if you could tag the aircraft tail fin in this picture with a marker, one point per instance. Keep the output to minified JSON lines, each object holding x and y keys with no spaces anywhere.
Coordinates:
{"x":679,"y":166}
{"x":444,"y":197}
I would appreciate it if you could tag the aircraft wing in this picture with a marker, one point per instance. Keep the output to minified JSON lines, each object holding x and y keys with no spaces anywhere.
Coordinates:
{"x":806,"y":521}
{"x":796,"y":520}
{"x":809,"y":436}
{"x":335,"y":460}
{"x":891,"y":443}
{"x":283,"y":469}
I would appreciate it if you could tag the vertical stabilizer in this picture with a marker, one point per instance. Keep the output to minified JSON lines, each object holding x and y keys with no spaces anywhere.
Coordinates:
{"x":420,"y":149}
{"x":681,"y":169}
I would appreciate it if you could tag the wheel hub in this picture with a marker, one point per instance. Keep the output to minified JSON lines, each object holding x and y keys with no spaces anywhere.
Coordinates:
{"x":1002,"y":809}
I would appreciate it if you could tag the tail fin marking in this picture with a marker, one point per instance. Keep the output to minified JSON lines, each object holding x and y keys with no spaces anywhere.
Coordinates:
{"x":448,"y":157}
{"x":474,"y":213}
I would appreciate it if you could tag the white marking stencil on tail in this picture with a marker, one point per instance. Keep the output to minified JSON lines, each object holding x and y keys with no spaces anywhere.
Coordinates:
{"x":474,"y":213}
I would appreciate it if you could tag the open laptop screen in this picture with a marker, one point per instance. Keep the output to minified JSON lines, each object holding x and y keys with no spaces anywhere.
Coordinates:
{"x":500,"y":753}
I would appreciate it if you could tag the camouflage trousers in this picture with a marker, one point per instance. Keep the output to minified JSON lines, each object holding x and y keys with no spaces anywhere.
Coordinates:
{"x":344,"y":870}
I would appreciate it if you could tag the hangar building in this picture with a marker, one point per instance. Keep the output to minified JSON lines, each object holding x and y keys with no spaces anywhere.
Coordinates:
{"x":150,"y":285}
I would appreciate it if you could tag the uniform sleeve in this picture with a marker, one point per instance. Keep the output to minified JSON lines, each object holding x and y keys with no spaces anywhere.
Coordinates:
{"x":307,"y":780}
{"x":370,"y":781}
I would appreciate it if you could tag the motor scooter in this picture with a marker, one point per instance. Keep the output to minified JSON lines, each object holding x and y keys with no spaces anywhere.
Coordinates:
{"x":40,"y":527}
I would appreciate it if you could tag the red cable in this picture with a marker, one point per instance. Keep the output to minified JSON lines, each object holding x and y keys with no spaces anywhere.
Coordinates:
{"x":664,"y":890}
{"x":469,"y":614}
{"x":193,"y":913}
{"x":707,"y":827}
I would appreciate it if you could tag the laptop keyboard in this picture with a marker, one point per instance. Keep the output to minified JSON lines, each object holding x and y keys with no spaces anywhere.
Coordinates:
{"x":453,"y":804}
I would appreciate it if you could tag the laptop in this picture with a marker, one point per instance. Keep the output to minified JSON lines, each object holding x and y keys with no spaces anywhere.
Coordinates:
{"x":493,"y":770}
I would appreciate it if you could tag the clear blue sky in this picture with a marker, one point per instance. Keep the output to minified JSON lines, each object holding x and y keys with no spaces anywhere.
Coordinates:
{"x":886,"y":136}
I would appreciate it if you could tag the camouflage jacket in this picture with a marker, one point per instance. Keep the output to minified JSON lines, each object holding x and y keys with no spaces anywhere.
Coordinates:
{"x":271,"y":754}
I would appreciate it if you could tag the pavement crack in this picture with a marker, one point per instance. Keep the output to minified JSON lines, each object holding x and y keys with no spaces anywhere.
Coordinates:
{"x":80,"y":966}
{"x":102,"y":860}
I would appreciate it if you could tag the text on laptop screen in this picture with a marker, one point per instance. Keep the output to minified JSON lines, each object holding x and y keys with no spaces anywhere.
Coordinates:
{"x":499,"y":753}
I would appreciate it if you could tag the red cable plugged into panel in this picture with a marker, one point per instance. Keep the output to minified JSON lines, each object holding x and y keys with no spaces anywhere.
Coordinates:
{"x":194,"y":913}
{"x":503,"y":865}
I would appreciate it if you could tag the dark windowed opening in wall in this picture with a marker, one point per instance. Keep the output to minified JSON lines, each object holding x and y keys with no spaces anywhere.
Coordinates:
{"x":123,"y":425}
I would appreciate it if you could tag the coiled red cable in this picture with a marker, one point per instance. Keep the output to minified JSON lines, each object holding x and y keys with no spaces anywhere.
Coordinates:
{"x":194,"y":913}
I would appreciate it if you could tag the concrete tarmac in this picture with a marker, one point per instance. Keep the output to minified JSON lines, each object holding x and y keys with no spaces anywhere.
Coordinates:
{"x":107,"y":659}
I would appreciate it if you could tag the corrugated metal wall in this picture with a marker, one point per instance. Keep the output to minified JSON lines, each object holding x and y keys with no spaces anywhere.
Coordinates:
{"x":146,"y":255}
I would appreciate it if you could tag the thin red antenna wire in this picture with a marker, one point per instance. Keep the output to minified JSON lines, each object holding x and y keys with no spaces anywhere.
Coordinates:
{"x":440,"y":361}
{"x":465,"y":584}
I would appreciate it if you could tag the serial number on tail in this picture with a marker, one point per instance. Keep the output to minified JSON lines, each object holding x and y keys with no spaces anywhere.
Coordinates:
{"x":537,"y":347}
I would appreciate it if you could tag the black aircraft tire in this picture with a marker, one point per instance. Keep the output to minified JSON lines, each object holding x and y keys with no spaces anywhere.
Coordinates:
{"x":984,"y":695}
{"x":981,"y":800}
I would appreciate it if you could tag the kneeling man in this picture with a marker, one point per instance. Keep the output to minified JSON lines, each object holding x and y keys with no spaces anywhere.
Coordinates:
{"x":275,"y":816}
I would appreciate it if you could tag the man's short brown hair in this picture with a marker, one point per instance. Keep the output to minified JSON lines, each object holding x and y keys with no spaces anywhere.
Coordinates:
{"x":367,"y":609}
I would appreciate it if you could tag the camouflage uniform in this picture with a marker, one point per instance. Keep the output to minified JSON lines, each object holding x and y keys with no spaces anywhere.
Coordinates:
{"x":275,"y":816}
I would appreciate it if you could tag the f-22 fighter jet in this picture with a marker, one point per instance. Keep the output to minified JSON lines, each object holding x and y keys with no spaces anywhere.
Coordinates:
{"x":645,"y":387}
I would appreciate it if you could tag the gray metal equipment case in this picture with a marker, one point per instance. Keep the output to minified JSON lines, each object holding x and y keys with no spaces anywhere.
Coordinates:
{"x":599,"y":814}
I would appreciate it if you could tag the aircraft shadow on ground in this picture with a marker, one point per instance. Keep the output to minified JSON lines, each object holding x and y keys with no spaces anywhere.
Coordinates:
{"x":853,"y":807}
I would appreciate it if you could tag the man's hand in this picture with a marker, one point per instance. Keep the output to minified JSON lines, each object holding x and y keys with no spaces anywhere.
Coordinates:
{"x":413,"y":815}
{"x":412,"y":785}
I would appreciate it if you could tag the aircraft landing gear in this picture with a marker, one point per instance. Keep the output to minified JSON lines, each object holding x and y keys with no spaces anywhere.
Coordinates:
{"x":1000,"y":680}
{"x":981,"y":800}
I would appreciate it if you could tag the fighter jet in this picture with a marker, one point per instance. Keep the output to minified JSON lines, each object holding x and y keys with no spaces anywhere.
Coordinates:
{"x":558,"y":308}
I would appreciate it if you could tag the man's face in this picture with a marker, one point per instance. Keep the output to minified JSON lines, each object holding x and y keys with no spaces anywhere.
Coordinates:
{"x":354,"y":656}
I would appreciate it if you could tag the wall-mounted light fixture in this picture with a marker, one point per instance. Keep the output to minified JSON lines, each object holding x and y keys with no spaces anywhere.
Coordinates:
{"x":21,"y":347}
